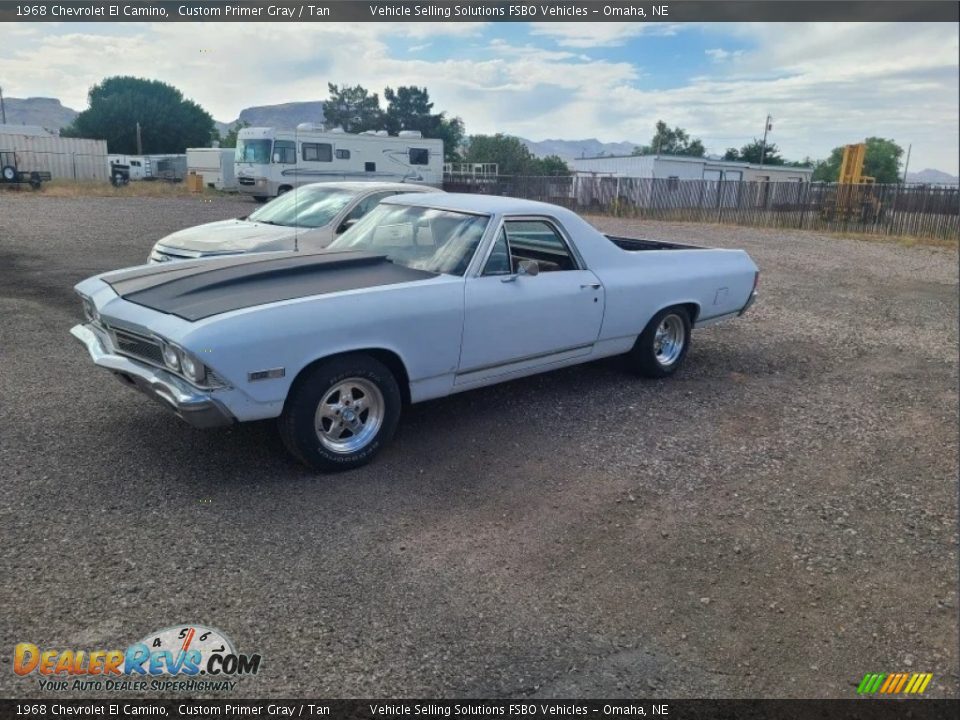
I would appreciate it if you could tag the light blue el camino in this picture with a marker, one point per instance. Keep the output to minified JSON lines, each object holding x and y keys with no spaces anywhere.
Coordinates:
{"x":427,"y":295}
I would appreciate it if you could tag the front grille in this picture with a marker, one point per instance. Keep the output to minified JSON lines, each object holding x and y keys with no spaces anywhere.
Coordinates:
{"x":138,"y":346}
{"x":246,"y":181}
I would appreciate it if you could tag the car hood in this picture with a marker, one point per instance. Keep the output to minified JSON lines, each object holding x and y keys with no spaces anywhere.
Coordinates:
{"x":233,"y":236}
{"x":196,"y":289}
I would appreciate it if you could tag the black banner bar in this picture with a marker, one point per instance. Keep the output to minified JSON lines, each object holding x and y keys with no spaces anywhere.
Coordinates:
{"x":528,"y":709}
{"x":447,"y":11}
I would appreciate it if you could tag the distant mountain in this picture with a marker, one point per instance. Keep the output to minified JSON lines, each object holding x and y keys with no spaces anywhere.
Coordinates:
{"x":46,"y":112}
{"x":933,"y":177}
{"x":571,"y":149}
{"x":286,"y":116}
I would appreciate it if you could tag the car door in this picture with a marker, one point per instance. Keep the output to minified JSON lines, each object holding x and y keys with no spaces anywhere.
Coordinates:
{"x":514,"y":320}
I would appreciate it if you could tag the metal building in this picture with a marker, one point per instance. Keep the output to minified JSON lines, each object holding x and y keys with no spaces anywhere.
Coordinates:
{"x":677,"y":167}
{"x":68,"y":158}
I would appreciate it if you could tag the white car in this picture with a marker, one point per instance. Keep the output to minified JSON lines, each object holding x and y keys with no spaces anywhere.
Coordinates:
{"x":307,"y":218}
{"x":426,"y":296}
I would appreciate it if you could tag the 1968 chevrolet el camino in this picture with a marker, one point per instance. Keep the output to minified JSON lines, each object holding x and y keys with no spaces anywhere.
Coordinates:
{"x":427,"y":295}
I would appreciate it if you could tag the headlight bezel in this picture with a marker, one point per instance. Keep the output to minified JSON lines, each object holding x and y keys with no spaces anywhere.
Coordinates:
{"x":200,"y":375}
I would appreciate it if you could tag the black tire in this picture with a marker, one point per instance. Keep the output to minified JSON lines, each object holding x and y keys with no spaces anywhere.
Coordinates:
{"x":644,"y":358}
{"x":260,"y":198}
{"x":8,"y":173}
{"x":283,"y":189}
{"x":297,"y":423}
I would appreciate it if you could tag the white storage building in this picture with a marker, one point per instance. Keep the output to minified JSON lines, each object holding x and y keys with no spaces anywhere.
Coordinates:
{"x":68,"y":158}
{"x":686,"y":168}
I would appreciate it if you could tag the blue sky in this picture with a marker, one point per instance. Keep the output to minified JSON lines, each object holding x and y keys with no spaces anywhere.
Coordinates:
{"x":825,"y":84}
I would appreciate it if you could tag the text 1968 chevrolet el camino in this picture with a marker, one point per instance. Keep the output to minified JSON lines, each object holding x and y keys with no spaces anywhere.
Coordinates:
{"x":427,"y":295}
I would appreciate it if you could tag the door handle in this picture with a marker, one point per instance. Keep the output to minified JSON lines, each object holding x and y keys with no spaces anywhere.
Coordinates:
{"x":595,"y":286}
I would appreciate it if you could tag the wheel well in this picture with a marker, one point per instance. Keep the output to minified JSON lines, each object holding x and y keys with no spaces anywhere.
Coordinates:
{"x":389,"y":358}
{"x":693,"y":311}
{"x":284,"y":188}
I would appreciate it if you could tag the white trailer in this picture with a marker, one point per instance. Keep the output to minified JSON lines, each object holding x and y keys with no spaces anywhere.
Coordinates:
{"x":215,"y":165}
{"x":151,"y":167}
{"x":269,"y":162}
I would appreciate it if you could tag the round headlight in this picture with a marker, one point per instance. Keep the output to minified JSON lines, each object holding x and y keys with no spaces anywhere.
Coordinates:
{"x":193,"y":368}
{"x":171,"y":357}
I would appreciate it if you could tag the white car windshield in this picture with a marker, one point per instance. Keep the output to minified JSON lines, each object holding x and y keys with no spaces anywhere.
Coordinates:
{"x":440,"y":241}
{"x":309,"y":207}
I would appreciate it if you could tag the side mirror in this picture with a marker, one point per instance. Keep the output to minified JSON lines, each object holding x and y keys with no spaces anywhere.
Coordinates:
{"x":347,"y":224}
{"x":528,"y":267}
{"x":524,"y":267}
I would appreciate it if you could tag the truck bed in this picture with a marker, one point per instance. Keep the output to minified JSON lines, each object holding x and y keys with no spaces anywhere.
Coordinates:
{"x":637,"y":245}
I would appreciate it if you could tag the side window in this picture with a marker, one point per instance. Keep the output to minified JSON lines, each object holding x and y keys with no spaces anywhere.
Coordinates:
{"x":343,"y":154}
{"x":370,"y":167}
{"x":499,"y":261}
{"x":366,"y":205}
{"x":134,"y":163}
{"x":538,"y":240}
{"x":285,"y":152}
{"x":419,"y":156}
{"x":317,"y":152}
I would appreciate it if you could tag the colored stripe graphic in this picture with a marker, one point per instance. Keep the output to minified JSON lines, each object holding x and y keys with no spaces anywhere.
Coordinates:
{"x":894,"y":683}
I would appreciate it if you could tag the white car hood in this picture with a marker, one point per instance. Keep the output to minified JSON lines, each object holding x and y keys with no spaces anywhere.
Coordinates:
{"x":233,"y":236}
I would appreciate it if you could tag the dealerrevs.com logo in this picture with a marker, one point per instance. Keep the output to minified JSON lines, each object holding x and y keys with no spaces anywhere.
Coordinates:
{"x":186,"y":657}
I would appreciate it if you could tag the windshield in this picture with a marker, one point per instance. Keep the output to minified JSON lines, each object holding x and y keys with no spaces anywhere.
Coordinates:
{"x":438,"y":241}
{"x":304,"y":207}
{"x":253,"y":151}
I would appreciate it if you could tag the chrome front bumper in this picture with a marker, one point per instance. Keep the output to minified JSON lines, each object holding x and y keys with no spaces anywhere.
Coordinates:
{"x":190,"y":404}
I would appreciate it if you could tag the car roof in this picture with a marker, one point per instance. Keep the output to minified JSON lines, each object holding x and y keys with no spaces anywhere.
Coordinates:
{"x":373,"y":186}
{"x":473,"y":203}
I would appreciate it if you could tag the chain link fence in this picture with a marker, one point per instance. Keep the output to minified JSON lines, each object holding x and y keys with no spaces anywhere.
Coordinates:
{"x":920,"y":211}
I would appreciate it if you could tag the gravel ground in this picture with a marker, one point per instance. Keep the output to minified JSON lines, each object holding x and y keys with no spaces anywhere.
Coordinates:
{"x":776,"y":520}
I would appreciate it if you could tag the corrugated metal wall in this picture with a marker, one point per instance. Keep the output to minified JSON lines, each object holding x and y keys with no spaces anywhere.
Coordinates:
{"x":69,"y":158}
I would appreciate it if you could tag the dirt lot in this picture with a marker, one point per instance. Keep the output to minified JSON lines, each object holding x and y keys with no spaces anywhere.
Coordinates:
{"x":777,"y":520}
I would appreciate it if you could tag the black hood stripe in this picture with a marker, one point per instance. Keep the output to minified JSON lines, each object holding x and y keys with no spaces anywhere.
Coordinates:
{"x":196,"y":290}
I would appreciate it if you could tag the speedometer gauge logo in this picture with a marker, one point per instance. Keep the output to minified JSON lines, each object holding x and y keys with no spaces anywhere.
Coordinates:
{"x":206,"y":647}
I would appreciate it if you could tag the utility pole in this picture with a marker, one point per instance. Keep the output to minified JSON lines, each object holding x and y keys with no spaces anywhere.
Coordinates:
{"x":3,"y":110}
{"x":767,"y":127}
{"x":907,"y":163}
{"x":139,"y":142}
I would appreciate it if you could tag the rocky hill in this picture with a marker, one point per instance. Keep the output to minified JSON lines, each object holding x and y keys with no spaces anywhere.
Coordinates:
{"x":46,"y":112}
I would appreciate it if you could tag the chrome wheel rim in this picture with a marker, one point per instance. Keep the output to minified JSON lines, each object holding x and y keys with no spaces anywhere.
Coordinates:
{"x":349,"y":416}
{"x":669,"y":339}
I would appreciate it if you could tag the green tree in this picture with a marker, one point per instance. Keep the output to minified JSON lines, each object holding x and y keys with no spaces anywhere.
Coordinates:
{"x":551,"y":165}
{"x":169,"y":123}
{"x":230,"y":139}
{"x":409,"y":108}
{"x":753,"y":151}
{"x":511,"y":155}
{"x":671,"y":141}
{"x":353,"y":109}
{"x":882,"y":162}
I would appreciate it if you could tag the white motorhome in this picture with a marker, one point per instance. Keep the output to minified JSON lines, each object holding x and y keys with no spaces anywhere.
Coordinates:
{"x":269,"y":162}
{"x":215,"y":165}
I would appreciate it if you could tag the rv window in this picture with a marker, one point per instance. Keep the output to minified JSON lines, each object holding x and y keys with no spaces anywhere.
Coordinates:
{"x":285,"y":152}
{"x":343,"y":154}
{"x":419,"y":156}
{"x":370,"y":167}
{"x":317,"y":152}
{"x":134,"y":163}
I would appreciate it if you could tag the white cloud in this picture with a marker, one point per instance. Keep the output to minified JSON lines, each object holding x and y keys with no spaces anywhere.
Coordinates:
{"x":600,"y":34}
{"x":719,"y":55}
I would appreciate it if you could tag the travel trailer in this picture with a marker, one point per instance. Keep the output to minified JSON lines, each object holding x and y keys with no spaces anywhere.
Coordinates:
{"x":215,"y":165}
{"x":269,"y":162}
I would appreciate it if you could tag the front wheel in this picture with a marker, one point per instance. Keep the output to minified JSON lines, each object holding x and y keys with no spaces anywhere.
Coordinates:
{"x":663,"y":345}
{"x":341,"y":413}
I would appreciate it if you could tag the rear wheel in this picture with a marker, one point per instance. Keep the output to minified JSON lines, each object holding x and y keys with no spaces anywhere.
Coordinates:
{"x":8,"y":173}
{"x":663,"y":345}
{"x":260,"y":198}
{"x":341,"y":413}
